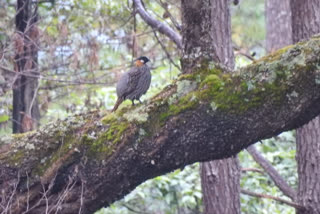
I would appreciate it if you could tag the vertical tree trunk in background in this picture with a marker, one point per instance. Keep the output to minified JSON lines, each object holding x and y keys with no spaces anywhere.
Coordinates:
{"x":305,"y":23}
{"x":220,"y":181}
{"x":207,"y":35}
{"x":278,"y":24}
{"x":25,"y":107}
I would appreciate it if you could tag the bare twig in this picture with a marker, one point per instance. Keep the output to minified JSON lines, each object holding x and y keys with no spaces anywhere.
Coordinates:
{"x":27,"y":74}
{"x":81,"y":197}
{"x":33,"y":99}
{"x":161,"y":27}
{"x":133,"y":210}
{"x":165,"y":50}
{"x":292,"y":204}
{"x":172,"y":18}
{"x":252,"y":170}
{"x":239,"y":52}
{"x":272,"y":172}
{"x":13,"y":193}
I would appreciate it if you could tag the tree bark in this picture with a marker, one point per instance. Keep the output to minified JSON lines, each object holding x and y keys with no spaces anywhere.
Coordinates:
{"x":308,"y":157}
{"x":220,"y":179}
{"x":200,"y":39}
{"x":305,"y":19}
{"x":305,"y":23}
{"x":278,"y":24}
{"x":25,"y":107}
{"x":86,"y":163}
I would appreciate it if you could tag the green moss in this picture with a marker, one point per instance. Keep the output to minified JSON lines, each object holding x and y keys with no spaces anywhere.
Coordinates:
{"x":16,"y":158}
{"x":238,"y":94}
{"x":138,"y":115}
{"x":48,"y":162}
{"x":103,"y":145}
{"x":18,"y":136}
{"x":191,"y":76}
{"x":213,"y":81}
{"x":275,"y":55}
{"x":184,"y":103}
{"x":109,"y":118}
{"x":194,"y":87}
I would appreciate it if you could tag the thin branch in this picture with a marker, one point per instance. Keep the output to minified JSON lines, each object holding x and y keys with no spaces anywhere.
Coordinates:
{"x":165,"y":50}
{"x":252,"y":170}
{"x":33,"y":99}
{"x":174,"y":21}
{"x":272,"y":172}
{"x":81,"y":197}
{"x":259,"y":195}
{"x":239,"y":52}
{"x":154,"y":23}
{"x":133,"y":210}
{"x":40,"y":77}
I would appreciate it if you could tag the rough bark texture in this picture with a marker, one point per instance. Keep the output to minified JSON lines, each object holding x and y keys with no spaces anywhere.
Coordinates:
{"x":278,"y":24}
{"x":83,"y":163}
{"x":308,"y":157}
{"x":25,"y":116}
{"x":305,"y":19}
{"x":306,"y":22}
{"x":220,"y":179}
{"x":199,"y":18}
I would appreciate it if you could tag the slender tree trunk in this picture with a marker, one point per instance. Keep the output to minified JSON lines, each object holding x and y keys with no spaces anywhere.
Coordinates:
{"x":305,"y":23}
{"x":210,"y":37}
{"x":25,"y":108}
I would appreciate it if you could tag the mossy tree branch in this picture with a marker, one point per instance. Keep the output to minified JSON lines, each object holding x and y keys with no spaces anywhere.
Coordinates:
{"x":89,"y":161}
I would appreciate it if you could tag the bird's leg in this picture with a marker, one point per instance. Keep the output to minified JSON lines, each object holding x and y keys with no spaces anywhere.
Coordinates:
{"x":140,"y":101}
{"x":132,"y":102}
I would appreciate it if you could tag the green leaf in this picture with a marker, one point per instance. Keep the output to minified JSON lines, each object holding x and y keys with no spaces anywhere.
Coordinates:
{"x":4,"y":118}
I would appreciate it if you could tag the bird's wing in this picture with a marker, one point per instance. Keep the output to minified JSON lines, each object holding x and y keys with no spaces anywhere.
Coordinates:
{"x":145,"y":80}
{"x":133,"y":79}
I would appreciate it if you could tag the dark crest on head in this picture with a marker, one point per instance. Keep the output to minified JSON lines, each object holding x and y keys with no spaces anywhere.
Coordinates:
{"x":144,"y":59}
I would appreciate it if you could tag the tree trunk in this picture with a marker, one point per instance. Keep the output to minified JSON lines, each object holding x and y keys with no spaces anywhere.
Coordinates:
{"x":278,"y":24}
{"x":308,"y":157}
{"x":25,"y":107}
{"x":305,"y":23}
{"x":200,"y":40}
{"x":220,"y":179}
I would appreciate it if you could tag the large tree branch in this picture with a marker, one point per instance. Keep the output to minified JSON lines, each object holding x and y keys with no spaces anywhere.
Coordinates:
{"x":87,"y":162}
{"x":154,"y":23}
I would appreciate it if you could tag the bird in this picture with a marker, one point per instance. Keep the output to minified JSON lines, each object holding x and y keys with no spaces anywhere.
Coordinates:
{"x":134,"y":83}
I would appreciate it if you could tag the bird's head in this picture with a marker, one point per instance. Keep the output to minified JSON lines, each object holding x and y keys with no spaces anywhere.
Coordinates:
{"x":141,"y":61}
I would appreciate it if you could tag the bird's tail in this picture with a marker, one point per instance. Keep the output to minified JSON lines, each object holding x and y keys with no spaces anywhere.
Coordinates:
{"x":119,"y":101}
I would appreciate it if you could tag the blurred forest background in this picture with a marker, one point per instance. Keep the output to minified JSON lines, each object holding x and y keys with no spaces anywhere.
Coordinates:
{"x":85,"y":45}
